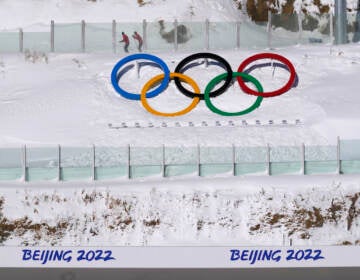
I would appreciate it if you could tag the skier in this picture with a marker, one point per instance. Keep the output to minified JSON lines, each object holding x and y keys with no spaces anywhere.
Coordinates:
{"x":137,"y":37}
{"x":126,"y":41}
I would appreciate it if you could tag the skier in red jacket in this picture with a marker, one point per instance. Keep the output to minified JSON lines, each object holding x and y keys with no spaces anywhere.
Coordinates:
{"x":126,"y":41}
{"x":137,"y":37}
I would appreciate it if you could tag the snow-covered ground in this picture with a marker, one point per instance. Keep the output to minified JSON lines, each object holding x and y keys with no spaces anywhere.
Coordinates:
{"x":69,"y":100}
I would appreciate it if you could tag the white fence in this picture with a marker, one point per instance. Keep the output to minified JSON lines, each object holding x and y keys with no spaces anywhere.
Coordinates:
{"x":110,"y":163}
{"x":280,"y":30}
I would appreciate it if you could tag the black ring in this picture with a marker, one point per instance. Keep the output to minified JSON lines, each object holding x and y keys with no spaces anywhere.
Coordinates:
{"x":221,"y":90}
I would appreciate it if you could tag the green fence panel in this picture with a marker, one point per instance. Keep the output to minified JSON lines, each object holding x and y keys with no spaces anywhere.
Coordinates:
{"x":222,"y":35}
{"x":191,"y":36}
{"x":255,"y":33}
{"x":98,"y":37}
{"x":42,"y":163}
{"x":180,"y":170}
{"x":250,"y":168}
{"x":215,"y":169}
{"x":37,"y":41}
{"x":145,"y":171}
{"x":76,"y":163}
{"x":160,"y":36}
{"x":67,"y":37}
{"x":128,"y":28}
{"x":111,"y":172}
{"x":9,"y":41}
{"x":10,"y":174}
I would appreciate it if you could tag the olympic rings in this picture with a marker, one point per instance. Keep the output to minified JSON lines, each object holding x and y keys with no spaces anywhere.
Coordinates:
{"x":222,"y":89}
{"x":280,"y":91}
{"x":133,"y":96}
{"x":242,"y":76}
{"x":221,"y":77}
{"x":160,"y":77}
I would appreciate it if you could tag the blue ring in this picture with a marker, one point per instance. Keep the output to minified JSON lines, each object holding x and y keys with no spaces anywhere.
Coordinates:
{"x":135,"y":96}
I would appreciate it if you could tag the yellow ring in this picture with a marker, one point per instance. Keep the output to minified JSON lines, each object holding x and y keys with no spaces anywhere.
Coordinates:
{"x":156,"y":79}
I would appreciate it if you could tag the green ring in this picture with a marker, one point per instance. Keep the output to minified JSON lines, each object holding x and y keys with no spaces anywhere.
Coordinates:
{"x":221,"y":77}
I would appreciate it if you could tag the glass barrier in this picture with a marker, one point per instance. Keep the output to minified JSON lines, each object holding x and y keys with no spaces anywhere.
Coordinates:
{"x":191,"y":36}
{"x":250,"y":160}
{"x":181,"y":161}
{"x":37,"y":41}
{"x":146,"y":161}
{"x":42,"y":163}
{"x":67,"y":37}
{"x":111,"y":162}
{"x":285,"y":160}
{"x":9,"y":41}
{"x":350,"y":156}
{"x":356,"y":28}
{"x":320,"y":159}
{"x":76,"y":163}
{"x":11,"y":164}
{"x":285,"y":30}
{"x":160,"y":36}
{"x":253,"y":35}
{"x":98,"y":37}
{"x":128,"y":29}
{"x":216,"y":160}
{"x":222,"y":35}
{"x":315,"y":29}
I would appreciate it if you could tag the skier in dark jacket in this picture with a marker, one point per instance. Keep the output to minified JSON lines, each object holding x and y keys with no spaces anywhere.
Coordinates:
{"x":137,"y":37}
{"x":125,"y":40}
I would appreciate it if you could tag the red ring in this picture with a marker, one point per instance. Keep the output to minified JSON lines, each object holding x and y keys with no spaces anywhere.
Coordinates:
{"x":278,"y":57}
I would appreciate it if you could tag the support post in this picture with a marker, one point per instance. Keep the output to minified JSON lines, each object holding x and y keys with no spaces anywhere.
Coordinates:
{"x":303,"y":159}
{"x":332,"y":38}
{"x":207,"y":34}
{"x":144,"y":34}
{"x":21,"y":40}
{"x":83,"y":35}
{"x":268,"y":168}
{"x":300,"y":18}
{"x":340,"y":22}
{"x":52,"y":36}
{"x":93,"y":163}
{"x":234,"y":159}
{"x":238,"y":27}
{"x":24,"y":162}
{"x":113,"y":31}
{"x":129,"y":163}
{"x":199,"y":160}
{"x":59,"y":164}
{"x":269,"y":30}
{"x":176,"y":35}
{"x":338,"y":156}
{"x":163,"y":162}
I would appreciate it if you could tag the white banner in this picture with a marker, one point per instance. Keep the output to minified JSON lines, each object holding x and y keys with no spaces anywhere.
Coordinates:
{"x":180,"y":257}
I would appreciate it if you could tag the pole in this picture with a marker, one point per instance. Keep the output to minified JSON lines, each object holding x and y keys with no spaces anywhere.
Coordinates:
{"x":52,"y":36}
{"x":338,"y":156}
{"x":340,"y":22}
{"x":268,"y":160}
{"x":234,"y":159}
{"x":83,"y":35}
{"x":176,"y":35}
{"x":269,"y":29}
{"x":303,"y":159}
{"x":24,"y":161}
{"x":199,"y":160}
{"x":300,"y":17}
{"x":93,"y":163}
{"x":144,"y":26}
{"x":21,"y":40}
{"x":163,"y":162}
{"x":113,"y":30}
{"x":238,"y":27}
{"x":207,"y":34}
{"x":59,"y":164}
{"x":128,"y":163}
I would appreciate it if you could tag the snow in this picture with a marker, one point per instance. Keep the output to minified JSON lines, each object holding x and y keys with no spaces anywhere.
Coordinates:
{"x":69,"y":100}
